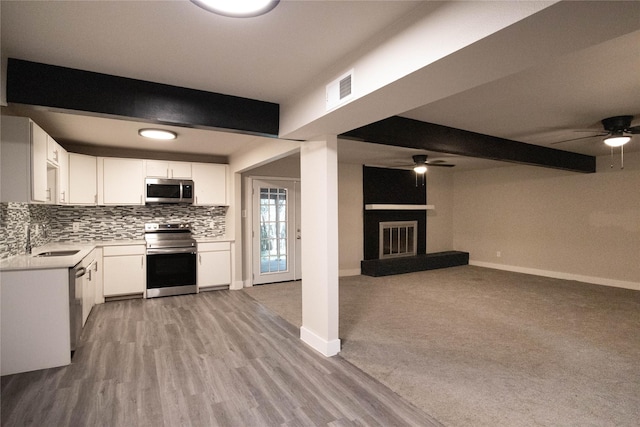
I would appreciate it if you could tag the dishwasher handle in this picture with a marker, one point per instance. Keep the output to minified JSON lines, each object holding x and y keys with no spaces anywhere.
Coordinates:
{"x":80,"y":272}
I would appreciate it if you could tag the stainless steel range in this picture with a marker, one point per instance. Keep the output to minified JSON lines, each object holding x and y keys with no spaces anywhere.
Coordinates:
{"x":171,"y":259}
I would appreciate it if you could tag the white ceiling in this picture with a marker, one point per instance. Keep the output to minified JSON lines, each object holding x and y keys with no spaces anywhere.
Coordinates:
{"x":273,"y":57}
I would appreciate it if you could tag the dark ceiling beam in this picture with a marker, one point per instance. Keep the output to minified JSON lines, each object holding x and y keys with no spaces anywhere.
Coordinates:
{"x":403,"y":132}
{"x":62,"y":88}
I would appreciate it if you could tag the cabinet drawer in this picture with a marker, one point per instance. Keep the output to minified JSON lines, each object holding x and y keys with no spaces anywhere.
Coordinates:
{"x":123,"y":250}
{"x":214,"y":246}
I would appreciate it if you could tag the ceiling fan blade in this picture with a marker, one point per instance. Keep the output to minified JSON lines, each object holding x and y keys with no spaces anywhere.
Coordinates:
{"x":441,"y":165}
{"x":634,"y":130}
{"x":581,"y":137}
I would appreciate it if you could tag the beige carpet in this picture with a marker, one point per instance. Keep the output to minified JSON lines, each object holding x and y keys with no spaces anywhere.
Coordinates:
{"x":481,"y":347}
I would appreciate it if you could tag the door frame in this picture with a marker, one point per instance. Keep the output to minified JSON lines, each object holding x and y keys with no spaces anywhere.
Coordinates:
{"x":248,"y":222}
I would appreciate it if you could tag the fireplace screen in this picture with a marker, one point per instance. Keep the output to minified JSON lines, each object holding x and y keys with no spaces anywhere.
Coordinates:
{"x":398,"y":239}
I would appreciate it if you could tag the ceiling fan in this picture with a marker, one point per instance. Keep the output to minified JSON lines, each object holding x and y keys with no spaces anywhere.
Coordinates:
{"x":617,"y":132}
{"x":616,"y":129}
{"x":420,"y":163}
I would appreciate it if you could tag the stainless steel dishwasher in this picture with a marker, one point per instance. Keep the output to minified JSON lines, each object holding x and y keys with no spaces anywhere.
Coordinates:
{"x":76,"y":281}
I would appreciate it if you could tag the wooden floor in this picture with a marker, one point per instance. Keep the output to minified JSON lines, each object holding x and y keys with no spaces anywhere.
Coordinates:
{"x":216,"y":358}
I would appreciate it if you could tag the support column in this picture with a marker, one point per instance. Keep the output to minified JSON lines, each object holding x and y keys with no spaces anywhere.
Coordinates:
{"x":319,"y":184}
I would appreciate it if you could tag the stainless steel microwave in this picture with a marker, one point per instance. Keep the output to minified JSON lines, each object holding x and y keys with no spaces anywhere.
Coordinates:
{"x":159,"y":190}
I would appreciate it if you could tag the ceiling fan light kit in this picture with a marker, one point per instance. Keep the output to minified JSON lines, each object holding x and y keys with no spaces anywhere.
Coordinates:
{"x":617,"y":140}
{"x":420,"y":169}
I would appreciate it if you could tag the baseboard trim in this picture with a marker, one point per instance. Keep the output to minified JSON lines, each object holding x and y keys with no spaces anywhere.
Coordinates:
{"x":326,"y":348}
{"x":559,"y":275}
{"x":349,"y":272}
{"x":236,"y":285}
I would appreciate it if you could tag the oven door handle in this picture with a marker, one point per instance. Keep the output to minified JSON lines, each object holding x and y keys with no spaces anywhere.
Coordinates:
{"x":163,"y":251}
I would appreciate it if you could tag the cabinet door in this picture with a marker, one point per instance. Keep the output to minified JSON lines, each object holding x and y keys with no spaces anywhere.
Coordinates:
{"x":52,"y":184}
{"x":157,"y":169}
{"x":88,"y":294}
{"x":180,"y":170}
{"x":214,"y":268}
{"x":53,"y":150}
{"x":63,"y":177}
{"x":97,"y":277}
{"x":123,"y":275}
{"x":210,"y":182}
{"x":166,"y":169}
{"x":123,"y":181}
{"x":38,"y":163}
{"x":82,"y":179}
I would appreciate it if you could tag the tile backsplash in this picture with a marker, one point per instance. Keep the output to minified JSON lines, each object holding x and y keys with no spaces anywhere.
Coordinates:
{"x":50,"y":223}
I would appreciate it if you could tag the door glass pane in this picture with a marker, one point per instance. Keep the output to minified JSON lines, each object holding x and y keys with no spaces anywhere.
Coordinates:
{"x":273,"y":230}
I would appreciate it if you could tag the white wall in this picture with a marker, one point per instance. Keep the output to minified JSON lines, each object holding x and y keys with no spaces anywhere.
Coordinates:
{"x":350,"y":219}
{"x":554,"y":223}
{"x":440,"y":220}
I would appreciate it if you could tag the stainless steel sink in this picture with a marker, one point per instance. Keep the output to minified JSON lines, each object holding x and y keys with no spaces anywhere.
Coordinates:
{"x":58,"y":253}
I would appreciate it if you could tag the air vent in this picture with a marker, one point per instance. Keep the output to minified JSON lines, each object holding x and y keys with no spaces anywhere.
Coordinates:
{"x":340,"y":90}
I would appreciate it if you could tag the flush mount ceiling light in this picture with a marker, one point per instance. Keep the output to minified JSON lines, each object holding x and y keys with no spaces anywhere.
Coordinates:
{"x":237,"y":8}
{"x":157,"y":134}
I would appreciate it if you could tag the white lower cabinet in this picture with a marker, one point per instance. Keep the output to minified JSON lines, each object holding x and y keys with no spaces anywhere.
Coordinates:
{"x":92,"y":283}
{"x":214,"y":264}
{"x":124,"y":269}
{"x":34,"y":320}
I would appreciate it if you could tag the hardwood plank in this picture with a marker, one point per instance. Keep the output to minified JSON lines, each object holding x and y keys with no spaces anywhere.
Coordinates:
{"x":215,"y":358}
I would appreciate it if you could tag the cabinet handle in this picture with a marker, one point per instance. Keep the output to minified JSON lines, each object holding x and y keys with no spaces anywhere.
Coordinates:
{"x":168,"y":176}
{"x":55,"y":155}
{"x":49,"y":194}
{"x":95,"y":199}
{"x":62,"y":197}
{"x":141,"y":262}
{"x":200,"y":258}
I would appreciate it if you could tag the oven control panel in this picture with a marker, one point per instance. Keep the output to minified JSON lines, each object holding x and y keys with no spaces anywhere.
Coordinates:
{"x":154,"y":226}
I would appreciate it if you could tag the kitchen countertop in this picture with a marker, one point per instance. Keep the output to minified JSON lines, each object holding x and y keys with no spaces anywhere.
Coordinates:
{"x":213,"y":239}
{"x":32,"y":262}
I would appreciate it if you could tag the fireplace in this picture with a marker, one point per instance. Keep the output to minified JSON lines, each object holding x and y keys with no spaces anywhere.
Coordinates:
{"x":398,"y":239}
{"x":395,"y":225}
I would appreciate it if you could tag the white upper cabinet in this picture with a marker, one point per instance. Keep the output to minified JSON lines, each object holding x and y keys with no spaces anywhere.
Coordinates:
{"x":23,"y":161}
{"x":63,"y":177}
{"x":122,"y":181}
{"x":166,"y":169}
{"x":38,"y":164}
{"x":210,"y":182}
{"x":83,"y":186}
{"x":54,"y":151}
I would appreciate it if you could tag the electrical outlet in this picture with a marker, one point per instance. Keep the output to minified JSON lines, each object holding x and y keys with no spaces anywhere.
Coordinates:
{"x":498,"y":254}
{"x":76,"y":226}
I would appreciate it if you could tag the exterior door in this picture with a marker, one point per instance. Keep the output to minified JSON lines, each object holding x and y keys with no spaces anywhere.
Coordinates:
{"x":276,"y":231}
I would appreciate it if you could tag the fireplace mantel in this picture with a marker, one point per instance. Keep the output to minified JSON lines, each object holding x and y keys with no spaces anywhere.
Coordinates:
{"x":391,"y":207}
